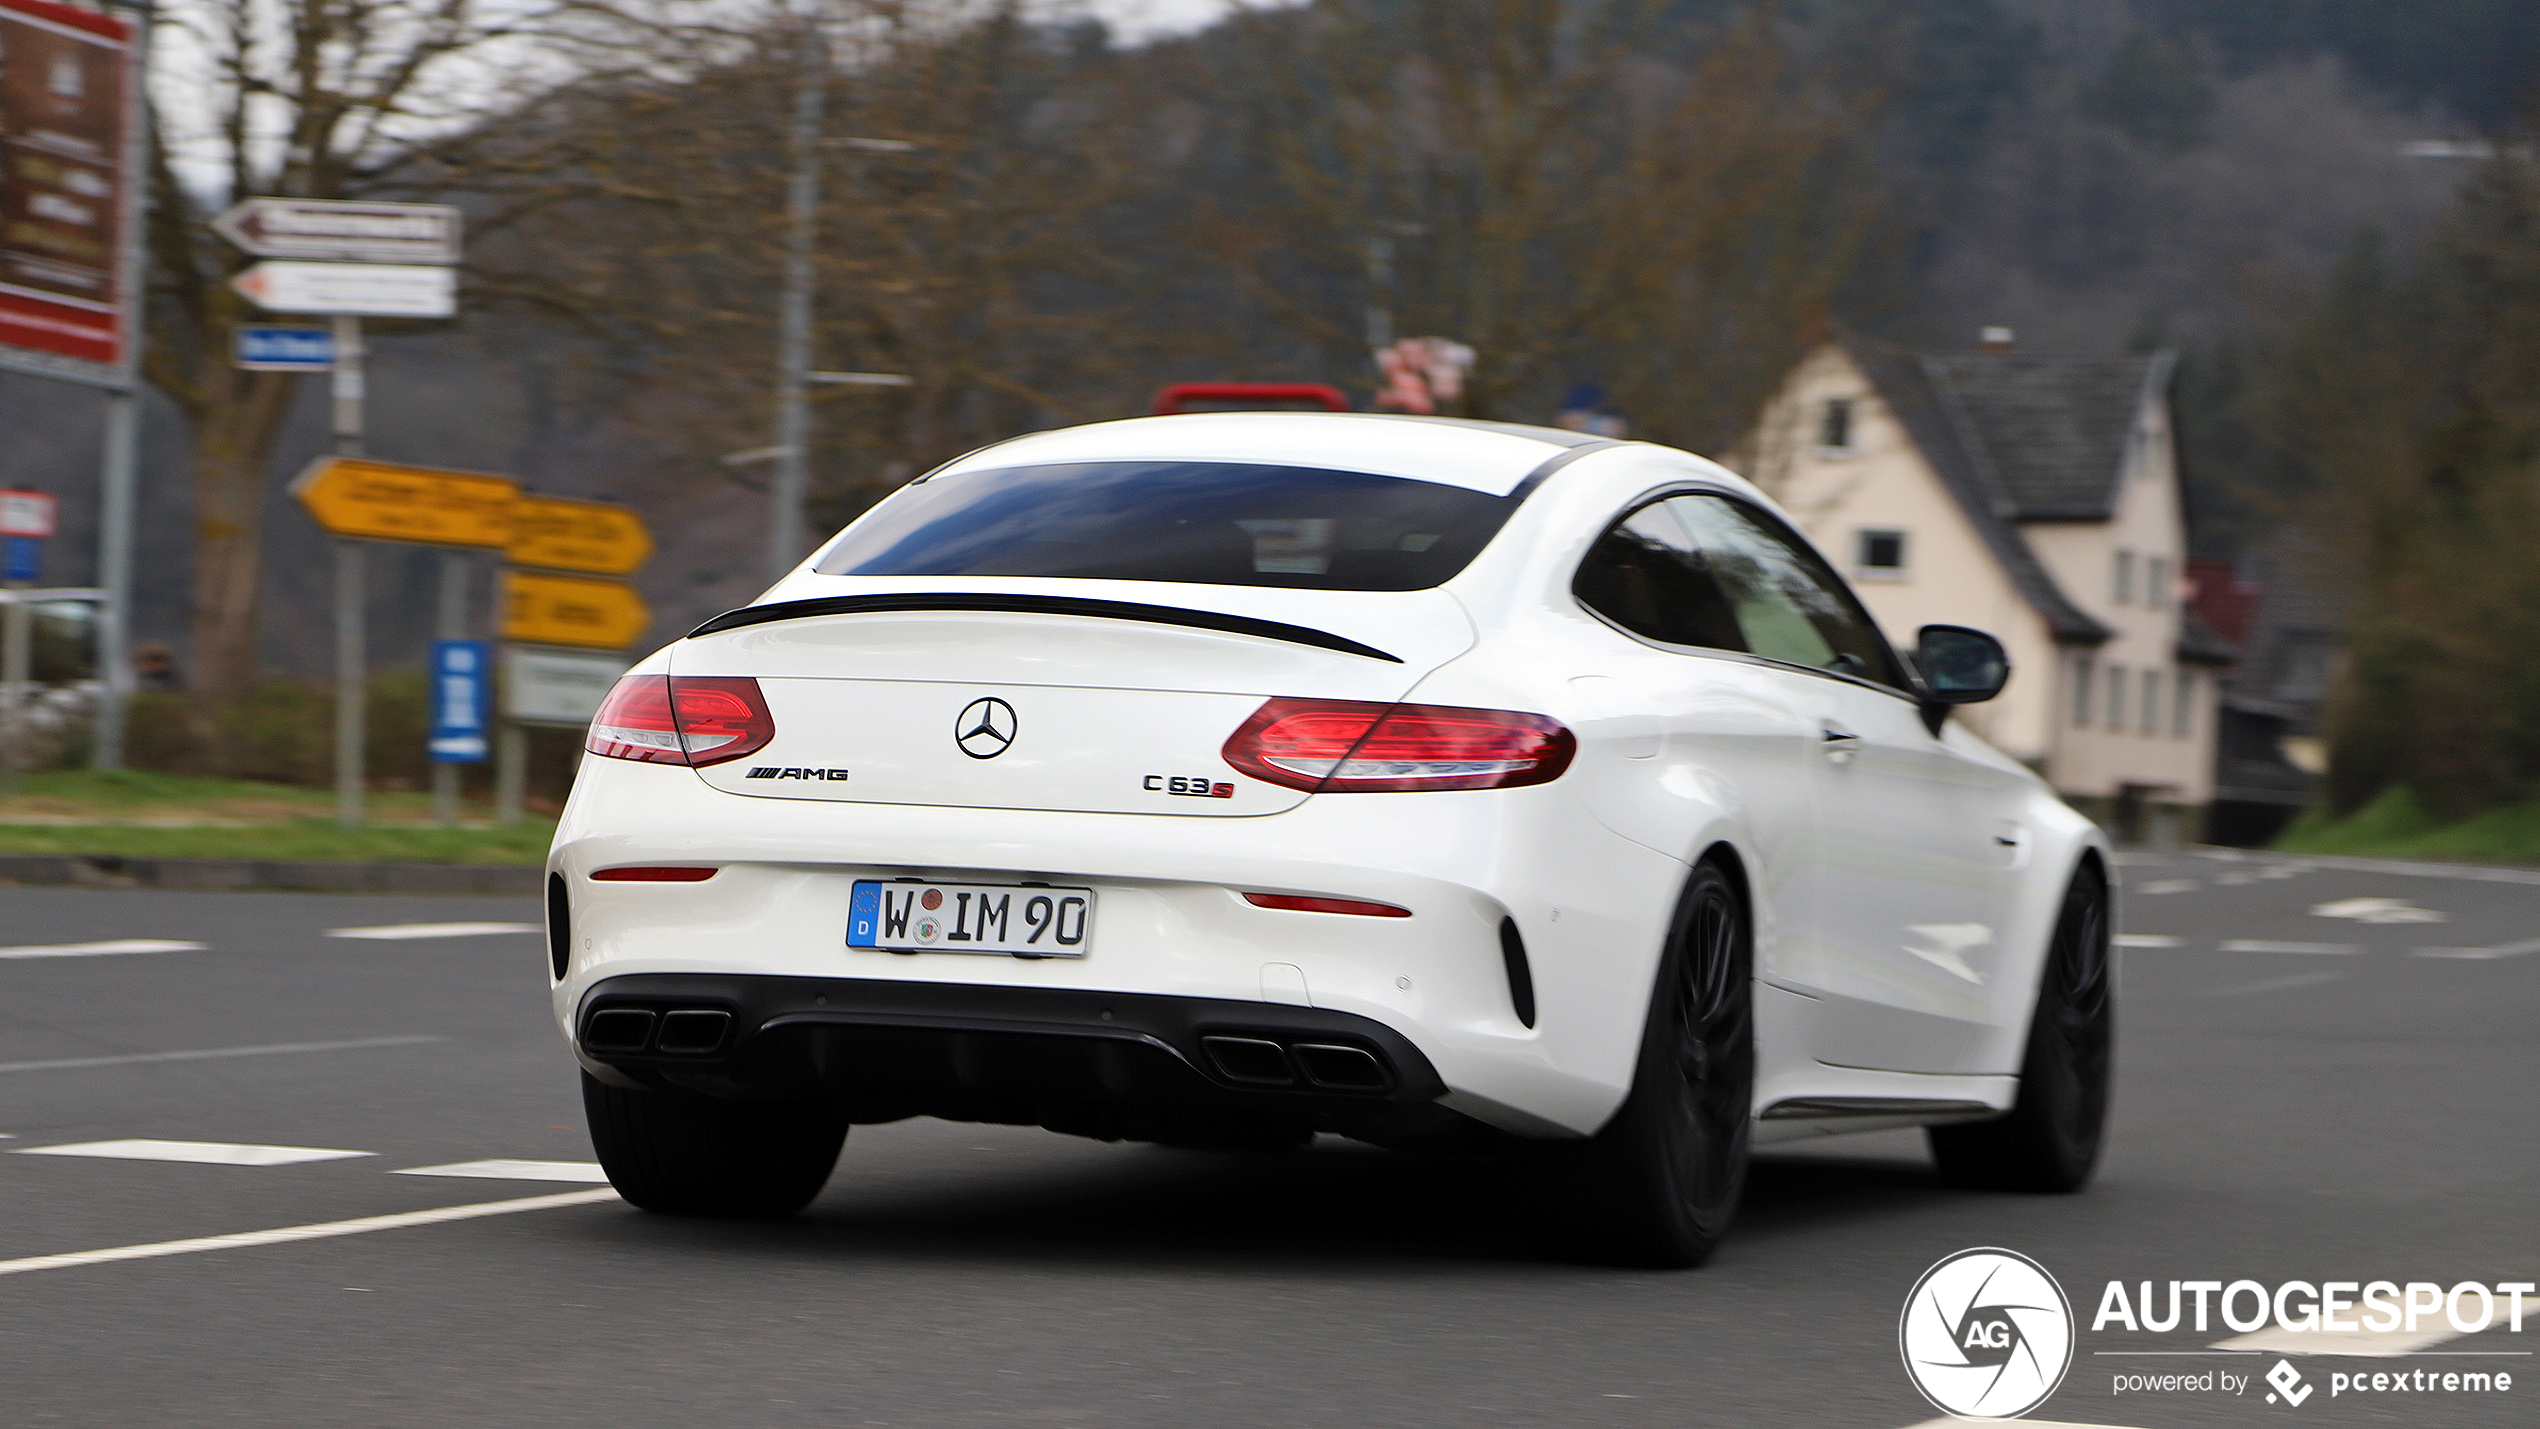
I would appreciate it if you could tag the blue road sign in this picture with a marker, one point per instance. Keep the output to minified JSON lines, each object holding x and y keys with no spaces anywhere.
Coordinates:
{"x":286,"y":349}
{"x":462,"y":700}
{"x":21,"y":557}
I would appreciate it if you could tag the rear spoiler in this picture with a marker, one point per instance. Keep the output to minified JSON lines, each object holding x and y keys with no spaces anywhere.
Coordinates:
{"x":1039,"y":605}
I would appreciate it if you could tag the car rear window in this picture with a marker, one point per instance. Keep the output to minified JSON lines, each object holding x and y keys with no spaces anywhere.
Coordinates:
{"x":1210,"y":523}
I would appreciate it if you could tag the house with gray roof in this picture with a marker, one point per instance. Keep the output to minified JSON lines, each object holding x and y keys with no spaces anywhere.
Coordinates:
{"x":2036,"y":498}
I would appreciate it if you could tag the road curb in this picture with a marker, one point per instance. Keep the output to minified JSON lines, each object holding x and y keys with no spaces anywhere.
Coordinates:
{"x":295,"y":875}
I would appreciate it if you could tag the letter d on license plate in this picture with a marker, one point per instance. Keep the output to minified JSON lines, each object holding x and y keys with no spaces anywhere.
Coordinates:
{"x":1010,"y":920}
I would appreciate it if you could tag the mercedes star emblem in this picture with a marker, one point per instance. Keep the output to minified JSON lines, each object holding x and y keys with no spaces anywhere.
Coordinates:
{"x":985,"y":729}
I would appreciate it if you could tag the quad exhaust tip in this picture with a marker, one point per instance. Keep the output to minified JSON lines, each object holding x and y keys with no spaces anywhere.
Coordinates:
{"x":684,"y":1032}
{"x":1260,"y":1062}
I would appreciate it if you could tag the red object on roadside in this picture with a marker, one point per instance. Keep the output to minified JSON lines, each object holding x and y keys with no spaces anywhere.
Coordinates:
{"x":1170,"y":401}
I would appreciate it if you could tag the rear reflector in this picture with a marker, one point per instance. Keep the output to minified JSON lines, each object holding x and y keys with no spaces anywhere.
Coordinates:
{"x":1325,"y":905}
{"x":681,"y":719}
{"x":1351,"y":746}
{"x":652,"y":875}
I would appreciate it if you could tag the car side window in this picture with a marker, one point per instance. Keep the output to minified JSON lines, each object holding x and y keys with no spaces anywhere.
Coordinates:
{"x":1711,"y":572}
{"x":1789,"y":606}
{"x":1647,"y":576}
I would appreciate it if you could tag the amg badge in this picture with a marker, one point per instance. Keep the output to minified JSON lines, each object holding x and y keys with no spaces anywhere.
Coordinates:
{"x":770,"y":771}
{"x":1200,"y":788}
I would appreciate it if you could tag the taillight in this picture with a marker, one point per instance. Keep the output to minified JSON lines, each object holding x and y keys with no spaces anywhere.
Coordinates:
{"x":1351,"y":746}
{"x":681,"y":719}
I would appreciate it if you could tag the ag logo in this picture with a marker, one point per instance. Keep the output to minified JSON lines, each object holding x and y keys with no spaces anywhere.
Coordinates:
{"x":1986,"y":1334}
{"x":985,"y":728}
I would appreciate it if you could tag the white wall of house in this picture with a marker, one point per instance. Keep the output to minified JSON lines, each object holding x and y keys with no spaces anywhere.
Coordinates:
{"x":2127,"y":572}
{"x":1880,"y":483}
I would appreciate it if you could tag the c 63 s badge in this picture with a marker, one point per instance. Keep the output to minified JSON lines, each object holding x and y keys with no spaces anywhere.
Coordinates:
{"x":1200,"y":788}
{"x":771,"y":771}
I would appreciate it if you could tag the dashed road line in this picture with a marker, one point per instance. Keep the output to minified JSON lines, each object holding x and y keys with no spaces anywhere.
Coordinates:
{"x":206,"y":1153}
{"x":504,"y":1170}
{"x":2262,"y":945}
{"x":65,"y":1064}
{"x":2144,"y":940}
{"x":2275,"y":984}
{"x":285,"y":1235}
{"x":398,"y":932}
{"x":112,"y":947}
{"x":1954,"y":1423}
{"x":2276,"y":1340}
{"x":2469,"y":872}
{"x":2167,"y":885}
{"x":2501,"y":950}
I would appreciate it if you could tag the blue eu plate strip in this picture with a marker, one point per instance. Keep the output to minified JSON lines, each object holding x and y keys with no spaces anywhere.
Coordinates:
{"x":864,"y":915}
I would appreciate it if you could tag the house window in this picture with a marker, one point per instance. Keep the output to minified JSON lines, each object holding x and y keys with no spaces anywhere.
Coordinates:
{"x":2151,"y":702}
{"x":2125,"y":578}
{"x":2116,"y":697}
{"x":2156,"y":583}
{"x":2081,"y":690}
{"x":1834,"y":426}
{"x":1880,"y":556}
{"x":2183,"y":711}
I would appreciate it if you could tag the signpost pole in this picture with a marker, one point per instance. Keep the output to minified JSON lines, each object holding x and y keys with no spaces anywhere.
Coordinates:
{"x":349,"y":681}
{"x":14,"y":643}
{"x":445,"y":774}
{"x":511,"y":770}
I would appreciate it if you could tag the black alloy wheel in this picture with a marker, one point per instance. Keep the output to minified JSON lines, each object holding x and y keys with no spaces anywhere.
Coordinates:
{"x":1660,"y":1184}
{"x":2050,"y":1139}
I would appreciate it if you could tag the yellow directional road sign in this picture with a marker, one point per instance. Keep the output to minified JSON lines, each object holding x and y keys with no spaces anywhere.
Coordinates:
{"x":568,"y":535}
{"x":569,"y":610}
{"x":385,"y":501}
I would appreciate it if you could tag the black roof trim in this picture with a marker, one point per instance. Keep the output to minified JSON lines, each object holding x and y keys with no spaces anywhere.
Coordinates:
{"x":1589,"y":446}
{"x":1038,"y":605}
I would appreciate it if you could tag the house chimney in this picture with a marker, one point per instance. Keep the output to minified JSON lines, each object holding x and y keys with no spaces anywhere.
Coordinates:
{"x":1994,"y":339}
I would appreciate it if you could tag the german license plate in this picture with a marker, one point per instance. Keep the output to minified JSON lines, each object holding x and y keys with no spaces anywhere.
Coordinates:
{"x":1017,"y":920}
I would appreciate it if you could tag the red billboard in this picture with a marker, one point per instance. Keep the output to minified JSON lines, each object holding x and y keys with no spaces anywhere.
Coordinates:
{"x":65,"y":103}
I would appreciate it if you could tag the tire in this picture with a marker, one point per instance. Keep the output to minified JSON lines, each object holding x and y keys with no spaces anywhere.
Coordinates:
{"x":2050,"y":1140}
{"x":679,"y":1154}
{"x":1660,"y":1184}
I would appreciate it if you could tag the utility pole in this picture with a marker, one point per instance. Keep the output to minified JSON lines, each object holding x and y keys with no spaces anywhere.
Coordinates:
{"x":453,"y":626}
{"x":785,"y":528}
{"x":350,"y":686}
{"x":119,"y":482}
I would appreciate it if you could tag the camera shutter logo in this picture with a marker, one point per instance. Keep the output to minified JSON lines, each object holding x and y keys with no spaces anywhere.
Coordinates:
{"x":1986,"y":1334}
{"x":985,"y":728}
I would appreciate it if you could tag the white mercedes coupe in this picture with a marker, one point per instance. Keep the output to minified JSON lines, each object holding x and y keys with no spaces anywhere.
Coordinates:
{"x":1220,"y":780}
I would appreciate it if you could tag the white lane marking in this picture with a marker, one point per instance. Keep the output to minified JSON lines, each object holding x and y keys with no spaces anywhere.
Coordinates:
{"x":502,"y":1170}
{"x":2501,"y":950}
{"x":1955,"y":1423}
{"x":2144,"y":940}
{"x":284,"y":1235}
{"x":61,"y":1064}
{"x":2276,"y":984}
{"x":398,"y":932}
{"x":2468,"y":872}
{"x":110,"y":948}
{"x":2167,"y":885}
{"x":2262,"y":945}
{"x":2378,"y":910}
{"x":2276,"y":1340}
{"x":209,"y":1153}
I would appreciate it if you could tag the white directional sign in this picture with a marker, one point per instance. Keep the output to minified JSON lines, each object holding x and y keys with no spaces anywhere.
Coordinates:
{"x":554,"y":687}
{"x":386,"y":290}
{"x":355,"y":232}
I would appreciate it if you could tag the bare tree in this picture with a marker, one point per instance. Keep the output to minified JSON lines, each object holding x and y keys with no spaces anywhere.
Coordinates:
{"x":302,"y":98}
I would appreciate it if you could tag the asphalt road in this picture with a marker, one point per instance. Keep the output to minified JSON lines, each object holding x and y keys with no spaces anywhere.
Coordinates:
{"x":2356,"y":1111}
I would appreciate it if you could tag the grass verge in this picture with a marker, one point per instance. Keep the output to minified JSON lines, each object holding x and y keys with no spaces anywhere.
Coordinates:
{"x":134,"y":814}
{"x":2395,"y":825}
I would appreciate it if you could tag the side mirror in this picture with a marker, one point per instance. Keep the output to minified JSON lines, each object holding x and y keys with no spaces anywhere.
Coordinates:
{"x":1960,"y":667}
